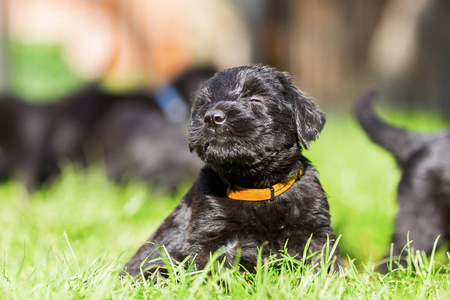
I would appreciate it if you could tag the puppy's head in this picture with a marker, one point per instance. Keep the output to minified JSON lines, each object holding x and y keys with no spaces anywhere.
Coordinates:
{"x":252,"y":117}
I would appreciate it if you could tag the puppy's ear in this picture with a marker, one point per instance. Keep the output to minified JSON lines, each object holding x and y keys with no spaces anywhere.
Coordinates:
{"x":309,"y":119}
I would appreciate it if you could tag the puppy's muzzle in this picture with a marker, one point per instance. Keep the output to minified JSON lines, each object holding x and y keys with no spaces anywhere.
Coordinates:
{"x":214,"y":118}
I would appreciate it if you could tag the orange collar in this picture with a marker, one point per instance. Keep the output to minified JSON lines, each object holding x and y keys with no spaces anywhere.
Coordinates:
{"x":245,"y":194}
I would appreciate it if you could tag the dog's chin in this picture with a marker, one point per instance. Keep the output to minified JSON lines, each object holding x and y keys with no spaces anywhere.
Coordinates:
{"x":222,"y":151}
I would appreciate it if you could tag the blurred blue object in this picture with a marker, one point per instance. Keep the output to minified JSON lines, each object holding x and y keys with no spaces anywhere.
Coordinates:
{"x":172,"y":104}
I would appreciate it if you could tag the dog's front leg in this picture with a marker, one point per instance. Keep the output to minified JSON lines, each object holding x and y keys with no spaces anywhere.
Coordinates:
{"x":325,"y":252}
{"x":146,"y":261}
{"x":170,"y":238}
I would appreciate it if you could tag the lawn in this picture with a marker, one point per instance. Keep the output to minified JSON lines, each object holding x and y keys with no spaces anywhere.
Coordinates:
{"x":69,"y":240}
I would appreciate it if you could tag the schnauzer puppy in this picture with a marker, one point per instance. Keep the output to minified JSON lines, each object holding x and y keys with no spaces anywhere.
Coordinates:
{"x":248,"y":124}
{"x":424,"y":189}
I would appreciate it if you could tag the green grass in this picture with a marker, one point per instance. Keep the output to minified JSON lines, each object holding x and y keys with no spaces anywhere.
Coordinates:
{"x":69,"y":240}
{"x":38,"y":72}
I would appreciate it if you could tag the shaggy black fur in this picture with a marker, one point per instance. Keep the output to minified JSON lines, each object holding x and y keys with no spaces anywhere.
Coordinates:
{"x":246,"y":125}
{"x":424,"y":189}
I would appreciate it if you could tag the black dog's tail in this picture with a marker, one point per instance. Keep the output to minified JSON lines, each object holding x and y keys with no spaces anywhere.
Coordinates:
{"x":400,"y":142}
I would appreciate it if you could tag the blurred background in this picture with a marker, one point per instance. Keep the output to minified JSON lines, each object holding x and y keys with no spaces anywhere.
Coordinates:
{"x":74,"y":71}
{"x":334,"y":49}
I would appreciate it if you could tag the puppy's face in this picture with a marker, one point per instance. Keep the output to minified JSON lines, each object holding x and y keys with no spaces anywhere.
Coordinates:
{"x":251,"y":118}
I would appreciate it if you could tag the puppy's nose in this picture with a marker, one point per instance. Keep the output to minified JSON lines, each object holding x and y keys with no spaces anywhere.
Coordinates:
{"x":214,"y":118}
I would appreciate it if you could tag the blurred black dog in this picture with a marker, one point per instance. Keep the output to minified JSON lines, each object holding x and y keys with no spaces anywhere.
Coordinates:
{"x":143,"y":136}
{"x":247,"y":124}
{"x":424,"y":188}
{"x":139,"y":133}
{"x":23,"y":132}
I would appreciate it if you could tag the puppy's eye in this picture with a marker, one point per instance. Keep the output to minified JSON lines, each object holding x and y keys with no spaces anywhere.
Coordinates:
{"x":255,"y":100}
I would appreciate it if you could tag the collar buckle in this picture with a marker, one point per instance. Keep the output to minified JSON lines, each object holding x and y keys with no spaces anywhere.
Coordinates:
{"x":272,"y":193}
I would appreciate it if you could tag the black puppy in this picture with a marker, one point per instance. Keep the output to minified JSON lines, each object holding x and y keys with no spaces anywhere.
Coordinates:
{"x":247,"y":124}
{"x":23,"y":132}
{"x":424,"y":189}
{"x":129,"y":130}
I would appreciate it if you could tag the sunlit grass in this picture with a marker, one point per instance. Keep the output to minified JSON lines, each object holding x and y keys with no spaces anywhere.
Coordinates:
{"x":69,"y":240}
